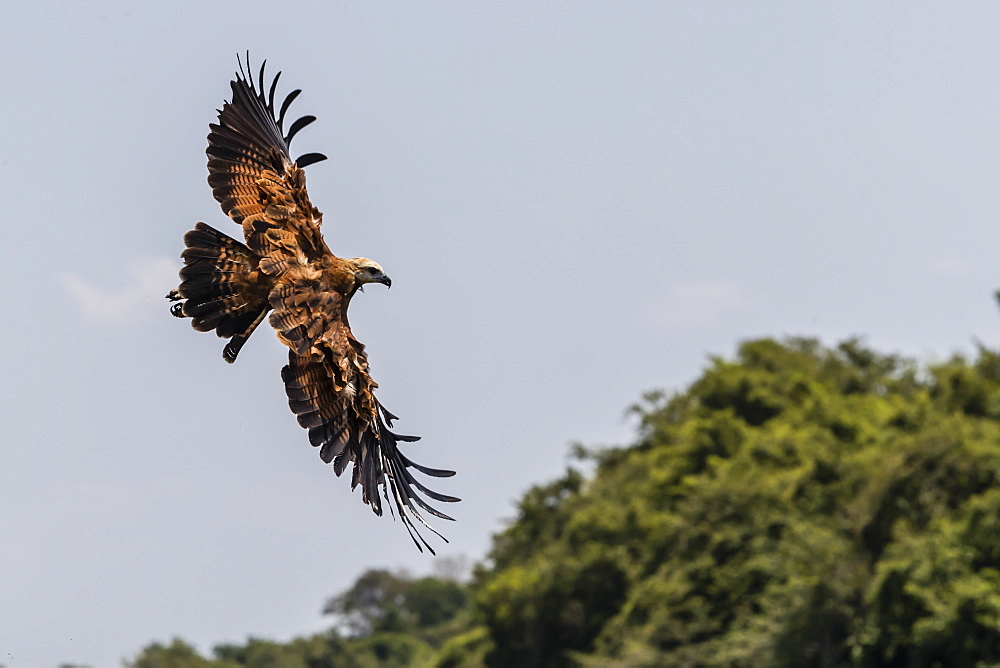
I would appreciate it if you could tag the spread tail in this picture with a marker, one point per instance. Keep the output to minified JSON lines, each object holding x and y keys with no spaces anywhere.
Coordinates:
{"x":222,"y":288}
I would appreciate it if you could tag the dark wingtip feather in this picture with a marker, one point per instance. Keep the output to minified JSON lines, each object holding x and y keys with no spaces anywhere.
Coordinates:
{"x":379,"y":468}
{"x":403,"y":485}
{"x":249,"y":135}
{"x":287,"y":103}
{"x":296,"y":126}
{"x":309,"y":159}
{"x":436,"y":473}
{"x":270,"y":95}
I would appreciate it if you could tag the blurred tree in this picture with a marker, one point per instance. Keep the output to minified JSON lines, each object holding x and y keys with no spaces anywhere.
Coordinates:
{"x":374,"y":603}
{"x":394,"y":621}
{"x":797,"y":506}
{"x":178,"y":654}
{"x":381,"y":601}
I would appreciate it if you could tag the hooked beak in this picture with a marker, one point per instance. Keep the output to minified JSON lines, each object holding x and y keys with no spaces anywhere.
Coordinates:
{"x":386,"y":281}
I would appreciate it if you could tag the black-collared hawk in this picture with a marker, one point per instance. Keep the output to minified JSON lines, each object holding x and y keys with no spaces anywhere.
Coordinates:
{"x":286,"y":272}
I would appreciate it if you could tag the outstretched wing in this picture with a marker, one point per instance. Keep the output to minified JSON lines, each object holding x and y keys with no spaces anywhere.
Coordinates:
{"x":332,"y":394}
{"x":251,"y":170}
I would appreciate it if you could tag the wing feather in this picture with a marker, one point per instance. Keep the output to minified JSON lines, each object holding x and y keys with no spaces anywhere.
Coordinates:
{"x":331,"y":394}
{"x":327,"y":382}
{"x":251,"y":172}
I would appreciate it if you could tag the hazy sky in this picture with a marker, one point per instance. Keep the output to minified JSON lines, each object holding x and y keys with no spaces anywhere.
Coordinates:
{"x":577,"y":203}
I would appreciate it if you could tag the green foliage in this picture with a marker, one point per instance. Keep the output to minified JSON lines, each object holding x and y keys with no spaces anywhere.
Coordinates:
{"x":796,"y":506}
{"x":373,"y":603}
{"x":319,"y":651}
{"x":466,"y":650}
{"x":381,"y":601}
{"x":178,"y":654}
{"x":432,"y":601}
{"x":394,"y":621}
{"x":392,"y":649}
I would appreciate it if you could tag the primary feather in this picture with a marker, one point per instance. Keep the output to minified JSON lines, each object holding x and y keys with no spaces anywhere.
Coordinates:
{"x":286,"y":269}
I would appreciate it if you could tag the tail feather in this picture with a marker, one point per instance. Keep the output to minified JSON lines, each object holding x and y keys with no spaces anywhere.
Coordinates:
{"x":221,"y":288}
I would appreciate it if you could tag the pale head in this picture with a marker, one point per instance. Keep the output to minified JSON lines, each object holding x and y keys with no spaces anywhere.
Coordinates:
{"x":369,"y":271}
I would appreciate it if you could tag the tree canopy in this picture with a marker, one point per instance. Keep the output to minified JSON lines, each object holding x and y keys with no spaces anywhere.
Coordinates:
{"x":796,"y":505}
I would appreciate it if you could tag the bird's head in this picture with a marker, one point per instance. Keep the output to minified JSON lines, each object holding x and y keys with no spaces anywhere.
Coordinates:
{"x":369,"y":271}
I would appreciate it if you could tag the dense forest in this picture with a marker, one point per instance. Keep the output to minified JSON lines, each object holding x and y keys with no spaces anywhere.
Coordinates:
{"x":797,"y":505}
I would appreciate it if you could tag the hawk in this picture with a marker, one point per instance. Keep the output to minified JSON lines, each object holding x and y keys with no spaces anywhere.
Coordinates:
{"x":286,"y":272}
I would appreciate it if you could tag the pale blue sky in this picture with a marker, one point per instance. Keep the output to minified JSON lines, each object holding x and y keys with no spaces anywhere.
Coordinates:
{"x":577,"y":203}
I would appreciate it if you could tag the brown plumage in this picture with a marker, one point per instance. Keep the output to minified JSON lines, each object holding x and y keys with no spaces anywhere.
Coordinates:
{"x":287,"y":270}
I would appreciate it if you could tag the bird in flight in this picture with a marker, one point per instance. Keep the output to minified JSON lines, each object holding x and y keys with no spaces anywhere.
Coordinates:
{"x":285,"y":269}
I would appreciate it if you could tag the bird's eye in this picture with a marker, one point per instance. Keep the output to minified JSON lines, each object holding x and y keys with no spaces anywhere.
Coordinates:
{"x":372,"y":270}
